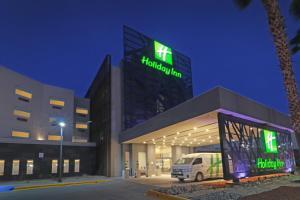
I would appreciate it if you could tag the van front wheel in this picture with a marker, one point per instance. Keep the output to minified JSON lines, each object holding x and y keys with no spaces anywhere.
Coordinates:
{"x":181,"y":179}
{"x":199,"y":177}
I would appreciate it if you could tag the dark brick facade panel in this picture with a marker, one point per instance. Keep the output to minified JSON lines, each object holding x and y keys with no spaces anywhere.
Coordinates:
{"x":42,"y":166}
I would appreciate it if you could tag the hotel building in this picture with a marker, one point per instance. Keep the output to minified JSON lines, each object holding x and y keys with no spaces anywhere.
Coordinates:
{"x":139,"y":116}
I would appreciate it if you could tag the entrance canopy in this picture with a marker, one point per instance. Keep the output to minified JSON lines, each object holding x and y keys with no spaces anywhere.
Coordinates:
{"x":201,"y":130}
{"x":195,"y":122}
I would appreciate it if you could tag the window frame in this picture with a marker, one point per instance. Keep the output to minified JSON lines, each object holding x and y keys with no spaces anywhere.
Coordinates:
{"x":23,"y":94}
{"x":66,"y":167}
{"x":54,"y":170}
{"x":77,"y":165}
{"x":2,"y":167}
{"x":201,"y":161}
{"x":20,"y":134}
{"x":13,"y":170}
{"x":29,"y":169}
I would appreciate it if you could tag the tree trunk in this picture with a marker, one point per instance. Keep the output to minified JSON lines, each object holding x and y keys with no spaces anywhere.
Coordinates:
{"x":277,"y":28}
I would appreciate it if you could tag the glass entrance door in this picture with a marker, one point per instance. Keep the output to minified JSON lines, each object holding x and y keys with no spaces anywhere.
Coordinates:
{"x":163,"y":155}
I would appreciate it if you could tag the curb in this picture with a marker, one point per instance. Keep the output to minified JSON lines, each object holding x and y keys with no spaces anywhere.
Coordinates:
{"x":33,"y":187}
{"x":163,"y":196}
{"x":262,"y":177}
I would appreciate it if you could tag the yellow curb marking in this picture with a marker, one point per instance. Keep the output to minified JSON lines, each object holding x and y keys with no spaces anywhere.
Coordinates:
{"x":163,"y":196}
{"x":33,"y":187}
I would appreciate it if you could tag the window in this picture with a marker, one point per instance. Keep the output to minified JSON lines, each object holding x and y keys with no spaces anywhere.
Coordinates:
{"x":20,"y":134}
{"x":15,"y":167}
{"x":54,"y":137}
{"x":79,"y":140}
{"x":29,"y":167}
{"x":81,"y":126}
{"x":2,"y":164}
{"x":53,"y":121}
{"x":58,"y":104}
{"x":77,"y":165}
{"x":82,"y":111}
{"x":184,"y":161}
{"x":23,"y":95}
{"x":197,"y":161}
{"x":22,"y":115}
{"x":54,"y":166}
{"x":66,"y":166}
{"x":22,"y":119}
{"x":23,"y":99}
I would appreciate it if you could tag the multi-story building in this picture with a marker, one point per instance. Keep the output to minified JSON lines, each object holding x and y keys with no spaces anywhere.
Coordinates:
{"x":139,"y":116}
{"x":30,"y":136}
{"x":145,"y":116}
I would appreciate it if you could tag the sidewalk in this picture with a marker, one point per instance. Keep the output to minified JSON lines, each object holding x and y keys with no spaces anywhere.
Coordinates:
{"x":54,"y":183}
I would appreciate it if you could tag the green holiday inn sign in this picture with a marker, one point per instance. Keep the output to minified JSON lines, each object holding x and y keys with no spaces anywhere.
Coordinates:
{"x":269,"y":141}
{"x":164,"y":54}
{"x":269,"y":164}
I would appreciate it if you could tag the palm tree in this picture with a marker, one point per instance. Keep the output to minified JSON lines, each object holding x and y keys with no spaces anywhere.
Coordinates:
{"x":277,"y":29}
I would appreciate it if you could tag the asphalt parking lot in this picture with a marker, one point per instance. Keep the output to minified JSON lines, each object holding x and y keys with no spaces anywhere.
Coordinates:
{"x":115,"y":189}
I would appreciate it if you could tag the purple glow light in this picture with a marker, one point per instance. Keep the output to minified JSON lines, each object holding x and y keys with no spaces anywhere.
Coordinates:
{"x":289,"y":169}
{"x":252,"y":119}
{"x":241,"y":169}
{"x":240,"y":175}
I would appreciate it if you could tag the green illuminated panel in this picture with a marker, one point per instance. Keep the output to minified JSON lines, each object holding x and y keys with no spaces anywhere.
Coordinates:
{"x":269,"y":164}
{"x":163,"y":53}
{"x":270,"y":142}
{"x":158,"y":66}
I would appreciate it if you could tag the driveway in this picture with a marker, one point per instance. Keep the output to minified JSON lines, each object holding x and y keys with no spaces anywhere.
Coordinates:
{"x":115,"y":189}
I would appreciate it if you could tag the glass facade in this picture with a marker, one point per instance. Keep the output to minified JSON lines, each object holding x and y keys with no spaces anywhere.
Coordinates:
{"x":100,"y":111}
{"x":155,"y":78}
{"x":250,"y":149}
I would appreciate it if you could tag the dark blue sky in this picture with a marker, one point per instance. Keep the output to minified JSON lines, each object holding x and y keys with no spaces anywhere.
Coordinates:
{"x":63,"y":42}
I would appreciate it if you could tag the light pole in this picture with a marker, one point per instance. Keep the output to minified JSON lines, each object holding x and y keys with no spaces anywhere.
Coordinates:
{"x":62,"y":125}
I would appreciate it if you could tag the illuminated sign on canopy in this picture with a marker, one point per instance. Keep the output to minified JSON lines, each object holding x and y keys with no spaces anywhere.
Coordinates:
{"x":270,"y":142}
{"x":164,"y":54}
{"x":269,"y":164}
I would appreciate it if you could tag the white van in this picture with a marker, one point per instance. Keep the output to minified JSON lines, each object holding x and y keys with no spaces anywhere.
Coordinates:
{"x":198,"y":166}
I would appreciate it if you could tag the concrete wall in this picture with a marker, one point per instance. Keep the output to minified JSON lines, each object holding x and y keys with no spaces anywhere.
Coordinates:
{"x":38,"y":125}
{"x":116,"y":123}
{"x":81,"y":135}
{"x":65,"y":114}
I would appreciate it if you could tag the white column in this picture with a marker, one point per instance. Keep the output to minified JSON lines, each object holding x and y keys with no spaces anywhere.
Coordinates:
{"x":151,"y":159}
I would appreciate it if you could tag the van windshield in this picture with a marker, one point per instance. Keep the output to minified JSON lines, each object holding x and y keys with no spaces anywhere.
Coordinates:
{"x":183,"y":161}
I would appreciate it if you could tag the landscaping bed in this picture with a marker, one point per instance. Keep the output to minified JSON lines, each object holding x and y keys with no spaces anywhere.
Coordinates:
{"x":242,"y":191}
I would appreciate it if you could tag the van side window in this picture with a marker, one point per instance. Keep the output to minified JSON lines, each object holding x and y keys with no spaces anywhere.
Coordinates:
{"x":197,"y":161}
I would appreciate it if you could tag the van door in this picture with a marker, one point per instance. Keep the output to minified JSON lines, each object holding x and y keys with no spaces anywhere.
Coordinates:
{"x":215,"y":166}
{"x":196,"y":167}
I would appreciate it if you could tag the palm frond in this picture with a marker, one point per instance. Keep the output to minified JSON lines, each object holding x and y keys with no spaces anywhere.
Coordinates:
{"x":295,"y":43}
{"x":295,"y":8}
{"x":242,"y":4}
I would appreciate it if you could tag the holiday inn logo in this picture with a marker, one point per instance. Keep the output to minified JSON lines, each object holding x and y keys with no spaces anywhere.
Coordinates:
{"x":163,"y":53}
{"x":270,"y":142}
